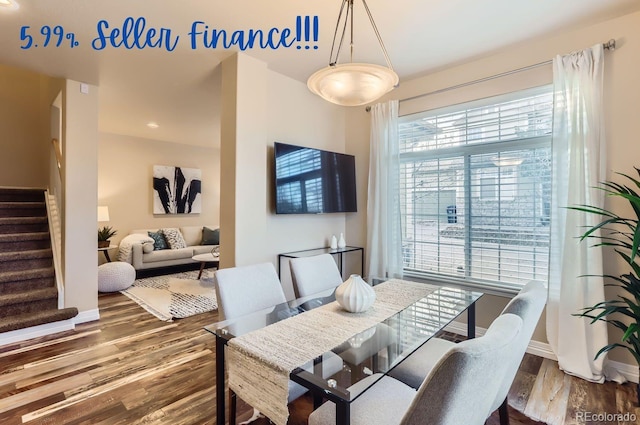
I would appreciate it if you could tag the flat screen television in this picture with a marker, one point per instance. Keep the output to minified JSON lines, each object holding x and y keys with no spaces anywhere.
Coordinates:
{"x":313,"y":181}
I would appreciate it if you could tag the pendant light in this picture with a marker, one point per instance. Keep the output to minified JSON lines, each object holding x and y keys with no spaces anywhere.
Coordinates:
{"x":352,"y":84}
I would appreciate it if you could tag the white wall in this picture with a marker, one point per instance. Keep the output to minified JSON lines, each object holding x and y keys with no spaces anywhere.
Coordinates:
{"x":357,"y":143}
{"x":298,"y":117}
{"x":24,"y":120}
{"x":125,"y":172}
{"x":80,"y":153}
{"x":622,"y":89}
{"x":260,"y":107}
{"x":243,"y":171}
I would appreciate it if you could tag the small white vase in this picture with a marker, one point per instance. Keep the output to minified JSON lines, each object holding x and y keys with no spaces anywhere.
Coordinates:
{"x":334,"y":242}
{"x":341,"y":242}
{"x":355,"y":295}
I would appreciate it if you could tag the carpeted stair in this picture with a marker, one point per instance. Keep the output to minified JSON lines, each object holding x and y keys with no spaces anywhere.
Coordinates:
{"x":28,"y":293}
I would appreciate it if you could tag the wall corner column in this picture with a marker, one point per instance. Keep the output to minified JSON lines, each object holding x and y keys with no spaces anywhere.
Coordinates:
{"x":243,"y":162}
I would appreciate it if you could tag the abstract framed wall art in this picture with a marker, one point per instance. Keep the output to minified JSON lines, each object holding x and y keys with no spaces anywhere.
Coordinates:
{"x":177,"y":190}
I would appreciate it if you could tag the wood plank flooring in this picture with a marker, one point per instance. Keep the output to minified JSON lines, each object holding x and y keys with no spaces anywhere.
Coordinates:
{"x":131,"y":368}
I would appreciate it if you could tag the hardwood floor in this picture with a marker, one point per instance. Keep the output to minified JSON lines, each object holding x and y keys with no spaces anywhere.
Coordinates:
{"x":131,"y":368}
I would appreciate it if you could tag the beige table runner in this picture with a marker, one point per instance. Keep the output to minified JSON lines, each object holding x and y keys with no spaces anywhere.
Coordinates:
{"x":260,"y":362}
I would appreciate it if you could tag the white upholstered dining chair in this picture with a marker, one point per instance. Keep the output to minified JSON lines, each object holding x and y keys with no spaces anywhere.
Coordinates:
{"x":459,"y":389}
{"x":249,"y":289}
{"x":527,"y":304}
{"x":313,"y":275}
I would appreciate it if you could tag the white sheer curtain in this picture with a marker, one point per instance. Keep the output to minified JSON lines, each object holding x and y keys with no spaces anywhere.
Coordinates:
{"x":384,"y":235}
{"x":578,"y":166}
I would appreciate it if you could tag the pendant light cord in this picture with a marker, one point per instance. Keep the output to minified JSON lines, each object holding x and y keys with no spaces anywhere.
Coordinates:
{"x":348,"y":19}
{"x":375,"y":29}
{"x":351,"y":41}
{"x":335,"y":34}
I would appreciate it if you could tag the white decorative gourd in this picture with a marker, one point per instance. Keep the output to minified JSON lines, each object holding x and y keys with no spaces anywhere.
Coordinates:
{"x":341,"y":242}
{"x":355,"y":295}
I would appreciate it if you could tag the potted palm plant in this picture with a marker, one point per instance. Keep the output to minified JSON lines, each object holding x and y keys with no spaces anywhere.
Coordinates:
{"x":623,"y":234}
{"x":104,"y":234}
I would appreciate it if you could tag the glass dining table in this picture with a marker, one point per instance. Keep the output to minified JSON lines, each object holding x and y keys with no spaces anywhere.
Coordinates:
{"x":412,"y":325}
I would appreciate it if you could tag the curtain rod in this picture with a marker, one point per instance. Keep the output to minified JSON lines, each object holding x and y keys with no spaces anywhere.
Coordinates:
{"x":609,"y":45}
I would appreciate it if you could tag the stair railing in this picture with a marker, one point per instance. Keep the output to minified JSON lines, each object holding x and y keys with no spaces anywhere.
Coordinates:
{"x":57,"y":149}
{"x":55,"y":232}
{"x":53,"y":198}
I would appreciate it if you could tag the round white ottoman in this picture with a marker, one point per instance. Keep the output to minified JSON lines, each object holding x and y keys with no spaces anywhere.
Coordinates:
{"x":116,"y":276}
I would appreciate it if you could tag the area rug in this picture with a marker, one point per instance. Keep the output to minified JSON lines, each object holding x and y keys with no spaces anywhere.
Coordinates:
{"x":174,"y":296}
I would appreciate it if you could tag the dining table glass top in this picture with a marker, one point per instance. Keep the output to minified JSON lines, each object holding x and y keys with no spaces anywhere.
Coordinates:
{"x":410,"y":327}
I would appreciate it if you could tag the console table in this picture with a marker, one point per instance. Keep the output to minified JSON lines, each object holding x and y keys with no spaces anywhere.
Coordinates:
{"x":339,"y":253}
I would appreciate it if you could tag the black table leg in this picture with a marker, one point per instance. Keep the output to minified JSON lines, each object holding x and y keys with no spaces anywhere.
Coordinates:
{"x":503,"y":411}
{"x":471,"y":321}
{"x":317,"y":370}
{"x":220,"y":381}
{"x":343,"y":413}
{"x":106,"y":255}
{"x":233,"y":399}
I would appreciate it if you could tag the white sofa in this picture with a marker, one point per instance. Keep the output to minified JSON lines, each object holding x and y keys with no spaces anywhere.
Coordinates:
{"x":132,"y":251}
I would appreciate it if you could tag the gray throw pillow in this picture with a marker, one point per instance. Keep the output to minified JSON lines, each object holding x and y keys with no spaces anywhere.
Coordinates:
{"x":159,"y":242}
{"x":210,"y":236}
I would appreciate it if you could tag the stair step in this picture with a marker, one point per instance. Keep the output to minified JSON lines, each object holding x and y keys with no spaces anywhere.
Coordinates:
{"x":12,"y":242}
{"x":25,"y":260}
{"x":23,"y":224}
{"x":21,"y":195}
{"x":28,"y":302}
{"x":34,"y":319}
{"x":23,"y":209}
{"x":25,"y":275}
{"x":22,"y":280}
{"x":26,"y":297}
{"x":18,"y":276}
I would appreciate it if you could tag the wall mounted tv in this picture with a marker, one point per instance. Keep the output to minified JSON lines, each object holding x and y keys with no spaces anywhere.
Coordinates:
{"x":313,"y":181}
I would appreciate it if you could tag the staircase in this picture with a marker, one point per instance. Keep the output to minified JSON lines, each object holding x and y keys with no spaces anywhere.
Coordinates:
{"x":28,"y":292}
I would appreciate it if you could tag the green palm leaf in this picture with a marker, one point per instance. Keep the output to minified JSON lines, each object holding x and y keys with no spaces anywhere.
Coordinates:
{"x":623,"y":235}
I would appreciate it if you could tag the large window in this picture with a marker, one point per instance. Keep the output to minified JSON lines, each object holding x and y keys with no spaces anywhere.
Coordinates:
{"x":476,"y":189}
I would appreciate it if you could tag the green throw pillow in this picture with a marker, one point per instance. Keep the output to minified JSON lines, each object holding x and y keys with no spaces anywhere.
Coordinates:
{"x":210,"y":237}
{"x":159,"y":242}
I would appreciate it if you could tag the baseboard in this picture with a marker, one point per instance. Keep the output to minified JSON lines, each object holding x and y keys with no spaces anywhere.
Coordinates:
{"x":12,"y":337}
{"x":627,"y":370}
{"x":461,"y":329}
{"x":543,"y":349}
{"x":87,"y":316}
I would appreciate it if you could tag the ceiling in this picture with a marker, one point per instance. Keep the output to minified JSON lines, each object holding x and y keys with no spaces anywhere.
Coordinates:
{"x":178,"y":89}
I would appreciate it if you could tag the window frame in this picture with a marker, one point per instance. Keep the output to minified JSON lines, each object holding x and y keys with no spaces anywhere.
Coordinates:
{"x":465,"y":152}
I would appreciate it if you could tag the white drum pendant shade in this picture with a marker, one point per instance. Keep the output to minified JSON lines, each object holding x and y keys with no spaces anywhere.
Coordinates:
{"x":352,"y":84}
